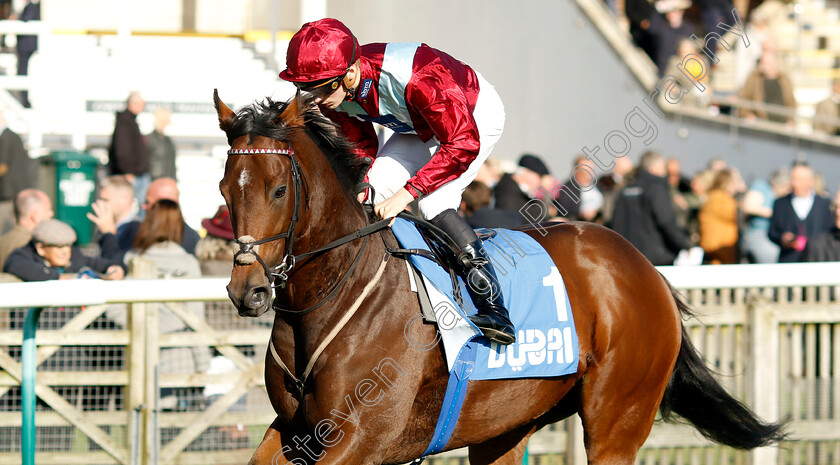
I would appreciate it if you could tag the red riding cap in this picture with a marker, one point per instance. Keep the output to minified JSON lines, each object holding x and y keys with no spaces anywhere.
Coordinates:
{"x":321,"y":49}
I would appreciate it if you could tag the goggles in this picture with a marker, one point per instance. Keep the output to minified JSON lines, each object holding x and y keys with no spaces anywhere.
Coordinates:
{"x":321,"y":88}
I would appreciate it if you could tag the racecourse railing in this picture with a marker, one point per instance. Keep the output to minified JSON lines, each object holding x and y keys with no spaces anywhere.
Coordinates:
{"x":770,"y":332}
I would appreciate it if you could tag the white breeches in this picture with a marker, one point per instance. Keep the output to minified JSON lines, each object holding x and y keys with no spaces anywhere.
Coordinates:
{"x":404,"y":154}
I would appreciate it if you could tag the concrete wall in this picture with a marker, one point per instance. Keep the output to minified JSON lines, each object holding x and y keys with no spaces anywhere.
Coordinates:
{"x":562,"y":87}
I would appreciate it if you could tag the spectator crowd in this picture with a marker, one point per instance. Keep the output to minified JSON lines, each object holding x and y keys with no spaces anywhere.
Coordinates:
{"x":40,"y":247}
{"x":662,"y":211}
{"x":685,"y":39}
{"x":667,"y":214}
{"x":655,"y":205}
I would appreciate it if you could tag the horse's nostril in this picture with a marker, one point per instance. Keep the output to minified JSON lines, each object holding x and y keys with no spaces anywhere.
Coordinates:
{"x":258,"y":297}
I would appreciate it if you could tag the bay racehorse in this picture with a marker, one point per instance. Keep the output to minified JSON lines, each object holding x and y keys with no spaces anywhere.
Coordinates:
{"x":353,"y":375}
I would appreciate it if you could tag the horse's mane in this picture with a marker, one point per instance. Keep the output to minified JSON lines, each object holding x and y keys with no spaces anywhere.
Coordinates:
{"x":262,"y":118}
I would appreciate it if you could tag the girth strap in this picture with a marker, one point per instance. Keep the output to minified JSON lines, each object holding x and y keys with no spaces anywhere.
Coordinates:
{"x":299,"y":383}
{"x":453,"y":400}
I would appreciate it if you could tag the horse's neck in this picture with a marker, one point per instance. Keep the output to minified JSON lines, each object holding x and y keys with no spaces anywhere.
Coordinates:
{"x":330,"y":214}
{"x":311,"y":330}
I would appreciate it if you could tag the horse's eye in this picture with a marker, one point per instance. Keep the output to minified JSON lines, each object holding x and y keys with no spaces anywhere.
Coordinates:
{"x":280,"y":192}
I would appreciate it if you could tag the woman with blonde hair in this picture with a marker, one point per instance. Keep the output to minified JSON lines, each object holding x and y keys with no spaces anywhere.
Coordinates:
{"x":719,"y":219}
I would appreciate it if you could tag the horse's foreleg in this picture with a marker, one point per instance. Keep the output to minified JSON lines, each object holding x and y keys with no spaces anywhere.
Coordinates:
{"x":279,"y":448}
{"x":282,"y":446}
{"x":507,"y":449}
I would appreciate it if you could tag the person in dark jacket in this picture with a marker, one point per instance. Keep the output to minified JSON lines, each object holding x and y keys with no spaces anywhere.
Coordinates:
{"x":514,"y":190}
{"x":667,"y":27}
{"x":475,"y":206}
{"x":712,"y":13}
{"x":51,"y":255}
{"x":644,"y":213}
{"x":611,"y":185}
{"x":638,"y":14}
{"x":825,"y":247}
{"x":17,"y":172}
{"x":129,"y":154}
{"x":799,"y":216}
{"x":27,"y":45}
{"x":161,"y":147}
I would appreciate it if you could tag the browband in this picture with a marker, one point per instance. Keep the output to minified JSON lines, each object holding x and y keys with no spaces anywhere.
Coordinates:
{"x":287,"y":151}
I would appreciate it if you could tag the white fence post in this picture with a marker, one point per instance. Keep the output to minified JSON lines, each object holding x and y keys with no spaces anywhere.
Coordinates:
{"x":763,"y":371}
{"x":137,"y":382}
{"x":142,"y":268}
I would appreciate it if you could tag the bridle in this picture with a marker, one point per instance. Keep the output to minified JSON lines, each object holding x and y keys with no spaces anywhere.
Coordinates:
{"x":246,"y":247}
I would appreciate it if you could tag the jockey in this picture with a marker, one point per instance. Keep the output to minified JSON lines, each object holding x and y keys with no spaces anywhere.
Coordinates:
{"x":446,"y":120}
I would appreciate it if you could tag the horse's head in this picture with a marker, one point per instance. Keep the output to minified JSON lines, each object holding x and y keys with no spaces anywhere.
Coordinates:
{"x":277,"y":184}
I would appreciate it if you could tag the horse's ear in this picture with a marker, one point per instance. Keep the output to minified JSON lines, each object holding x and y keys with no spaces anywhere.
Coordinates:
{"x":225,"y":114}
{"x":293,"y":115}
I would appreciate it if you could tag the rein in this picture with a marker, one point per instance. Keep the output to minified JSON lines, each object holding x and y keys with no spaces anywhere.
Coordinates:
{"x":246,"y":251}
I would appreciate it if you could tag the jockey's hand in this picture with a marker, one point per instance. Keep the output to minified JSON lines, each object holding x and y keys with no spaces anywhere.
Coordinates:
{"x":391,"y":207}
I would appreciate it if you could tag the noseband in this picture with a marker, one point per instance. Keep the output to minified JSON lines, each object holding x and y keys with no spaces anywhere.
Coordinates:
{"x":246,"y":248}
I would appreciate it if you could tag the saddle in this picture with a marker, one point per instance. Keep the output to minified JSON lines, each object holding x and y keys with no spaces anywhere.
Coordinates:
{"x":441,"y":249}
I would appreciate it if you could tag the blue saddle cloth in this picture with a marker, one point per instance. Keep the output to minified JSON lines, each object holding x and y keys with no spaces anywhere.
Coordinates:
{"x":533,"y":292}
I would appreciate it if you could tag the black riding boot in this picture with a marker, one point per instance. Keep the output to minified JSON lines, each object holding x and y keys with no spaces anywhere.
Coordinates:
{"x":482,"y":285}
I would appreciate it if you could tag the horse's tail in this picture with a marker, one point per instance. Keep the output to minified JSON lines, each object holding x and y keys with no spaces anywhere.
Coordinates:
{"x":694,"y":394}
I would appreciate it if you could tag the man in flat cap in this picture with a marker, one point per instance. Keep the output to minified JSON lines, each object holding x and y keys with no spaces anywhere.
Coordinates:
{"x":51,"y":255}
{"x":31,"y":207}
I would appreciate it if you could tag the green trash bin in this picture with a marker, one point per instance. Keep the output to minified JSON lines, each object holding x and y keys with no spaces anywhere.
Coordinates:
{"x":70,"y":180}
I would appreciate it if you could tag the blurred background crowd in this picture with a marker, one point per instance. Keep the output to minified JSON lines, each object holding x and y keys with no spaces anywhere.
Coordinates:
{"x":662,"y":210}
{"x":789,"y":217}
{"x":121,"y":196}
